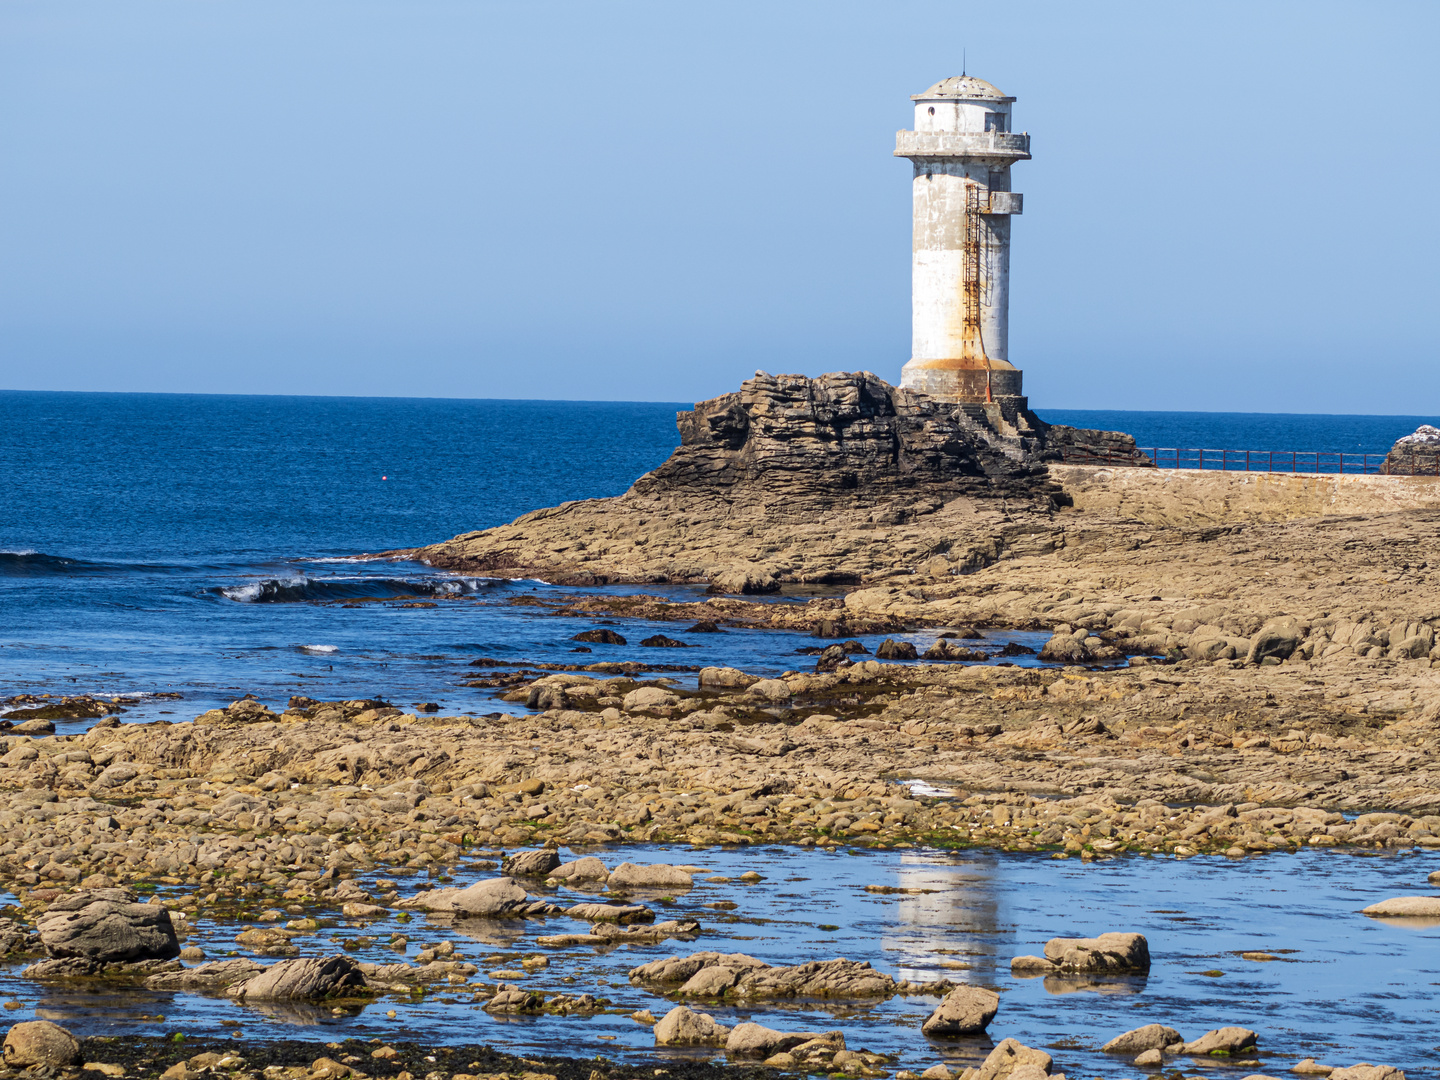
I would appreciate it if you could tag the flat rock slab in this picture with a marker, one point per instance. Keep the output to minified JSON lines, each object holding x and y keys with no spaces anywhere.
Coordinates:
{"x":620,"y":914}
{"x":1405,"y":907}
{"x":654,"y":876}
{"x":213,"y":978}
{"x":608,"y":934}
{"x":736,"y":975}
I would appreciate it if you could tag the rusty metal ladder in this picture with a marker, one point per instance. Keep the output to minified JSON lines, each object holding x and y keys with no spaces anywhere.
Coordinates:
{"x":970,"y":281}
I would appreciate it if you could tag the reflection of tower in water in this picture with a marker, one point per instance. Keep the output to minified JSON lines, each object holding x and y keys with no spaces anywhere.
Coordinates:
{"x":954,"y":905}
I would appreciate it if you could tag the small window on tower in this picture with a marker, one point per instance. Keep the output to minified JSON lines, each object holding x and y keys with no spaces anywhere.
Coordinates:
{"x":932,"y":110}
{"x":995,"y":121}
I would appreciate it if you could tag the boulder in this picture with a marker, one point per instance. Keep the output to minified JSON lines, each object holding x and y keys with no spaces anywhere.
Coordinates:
{"x":512,"y":999}
{"x":532,"y":863}
{"x":685,"y":1027}
{"x":586,"y":869}
{"x":619,"y":914}
{"x":674,"y":970}
{"x":648,"y":697}
{"x":896,"y":650}
{"x":1311,"y":1067}
{"x":107,"y":926}
{"x":495,"y":897}
{"x":1366,"y":1071}
{"x":310,"y":979}
{"x":599,"y":637}
{"x":948,"y":650}
{"x":660,"y":641}
{"x":1111,"y":953}
{"x":1137,"y":1040}
{"x":39,"y":1042}
{"x":1149,"y":1059}
{"x":710,"y":981}
{"x":1226,"y":1040}
{"x":1013,"y":1058}
{"x":1400,"y":907}
{"x":1064,"y":648}
{"x":744,"y":579}
{"x":653,"y":876}
{"x":726,"y":678}
{"x":1278,"y":638}
{"x":775,"y":690}
{"x":756,"y":1041}
{"x":966,"y":1010}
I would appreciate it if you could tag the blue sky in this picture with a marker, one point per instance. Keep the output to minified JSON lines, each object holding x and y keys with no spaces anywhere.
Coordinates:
{"x":1231,"y":206}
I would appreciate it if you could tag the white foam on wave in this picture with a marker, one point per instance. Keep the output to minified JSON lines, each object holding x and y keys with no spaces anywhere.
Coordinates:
{"x":258,"y":590}
{"x":245,"y":594}
{"x":320,"y":648}
{"x":18,"y":551}
{"x":350,"y":559}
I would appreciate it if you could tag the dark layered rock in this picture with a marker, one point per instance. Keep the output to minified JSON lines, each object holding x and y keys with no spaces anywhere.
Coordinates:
{"x":848,"y":438}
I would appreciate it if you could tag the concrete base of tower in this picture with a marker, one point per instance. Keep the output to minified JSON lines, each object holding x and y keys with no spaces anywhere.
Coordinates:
{"x":962,"y":384}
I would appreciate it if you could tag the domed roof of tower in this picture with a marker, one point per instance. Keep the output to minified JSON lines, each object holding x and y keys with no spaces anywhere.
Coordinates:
{"x":962,"y":86}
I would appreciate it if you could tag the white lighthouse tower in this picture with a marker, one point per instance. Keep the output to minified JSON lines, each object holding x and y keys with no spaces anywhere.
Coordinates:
{"x":962,"y":149}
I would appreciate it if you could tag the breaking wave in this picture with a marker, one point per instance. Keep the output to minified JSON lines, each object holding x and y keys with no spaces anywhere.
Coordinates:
{"x":300,"y":589}
{"x":38,"y":564}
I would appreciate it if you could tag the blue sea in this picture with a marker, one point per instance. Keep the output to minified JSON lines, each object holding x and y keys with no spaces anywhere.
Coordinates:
{"x":211,"y":546}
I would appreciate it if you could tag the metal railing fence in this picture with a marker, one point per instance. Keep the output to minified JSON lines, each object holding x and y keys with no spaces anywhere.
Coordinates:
{"x":1267,"y":461}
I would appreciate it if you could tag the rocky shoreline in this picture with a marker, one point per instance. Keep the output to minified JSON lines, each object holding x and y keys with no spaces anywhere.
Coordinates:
{"x":1256,"y":686}
{"x":836,"y":480}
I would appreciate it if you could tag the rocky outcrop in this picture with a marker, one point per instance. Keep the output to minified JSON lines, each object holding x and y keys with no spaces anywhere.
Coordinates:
{"x":107,"y":926}
{"x":792,"y":479}
{"x":1415,"y":455}
{"x":1117,"y":954}
{"x":757,"y":1041}
{"x":310,"y":979}
{"x":735,"y":975}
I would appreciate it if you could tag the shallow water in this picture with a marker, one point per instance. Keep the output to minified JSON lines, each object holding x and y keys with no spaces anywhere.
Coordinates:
{"x":143,"y":528}
{"x":1345,"y":988}
{"x":284,"y":633}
